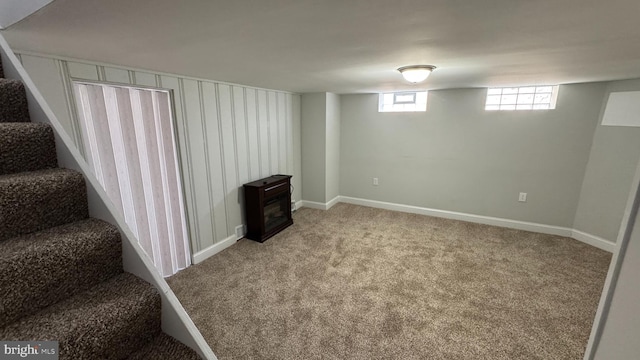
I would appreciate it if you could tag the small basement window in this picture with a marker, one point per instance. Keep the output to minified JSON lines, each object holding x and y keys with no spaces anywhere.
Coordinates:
{"x":522,"y":98}
{"x":403,"y":101}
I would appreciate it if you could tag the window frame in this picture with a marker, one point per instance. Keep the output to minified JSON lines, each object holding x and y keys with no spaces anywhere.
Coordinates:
{"x":521,"y":98}
{"x":393,"y":102}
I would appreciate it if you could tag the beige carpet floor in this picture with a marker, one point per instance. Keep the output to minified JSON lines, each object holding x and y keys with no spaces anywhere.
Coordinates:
{"x":362,"y":283}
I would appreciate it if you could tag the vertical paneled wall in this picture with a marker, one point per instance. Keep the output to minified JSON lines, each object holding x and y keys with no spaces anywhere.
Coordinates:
{"x":227,"y":135}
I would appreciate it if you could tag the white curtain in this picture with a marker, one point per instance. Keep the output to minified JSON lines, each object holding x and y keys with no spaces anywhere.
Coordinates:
{"x":129,"y":142}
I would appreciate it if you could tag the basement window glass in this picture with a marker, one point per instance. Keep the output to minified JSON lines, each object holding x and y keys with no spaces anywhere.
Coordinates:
{"x":522,"y":98}
{"x":408,"y":101}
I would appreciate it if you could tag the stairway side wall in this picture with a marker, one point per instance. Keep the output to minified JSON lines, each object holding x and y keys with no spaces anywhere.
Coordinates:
{"x":175,"y":320}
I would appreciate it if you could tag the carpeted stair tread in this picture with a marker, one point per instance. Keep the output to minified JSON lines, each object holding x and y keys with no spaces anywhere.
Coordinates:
{"x":111,"y":321}
{"x":164,"y":347}
{"x":1,"y":70}
{"x":13,"y":101}
{"x":26,"y":146}
{"x":37,"y":200}
{"x":43,"y":268}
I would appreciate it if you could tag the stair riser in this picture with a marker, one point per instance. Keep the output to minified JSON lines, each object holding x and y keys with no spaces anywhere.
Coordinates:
{"x":165,"y":347}
{"x":26,"y":147}
{"x":52,"y":269}
{"x":116,"y":340}
{"x":40,"y":203}
{"x":109,"y":321}
{"x":13,"y":102}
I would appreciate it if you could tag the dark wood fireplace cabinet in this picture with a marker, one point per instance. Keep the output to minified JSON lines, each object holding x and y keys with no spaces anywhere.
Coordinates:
{"x":267,"y":204}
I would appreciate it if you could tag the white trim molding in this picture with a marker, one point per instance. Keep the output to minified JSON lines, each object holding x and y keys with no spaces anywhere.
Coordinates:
{"x":479,"y":219}
{"x":581,"y":236}
{"x":319,"y":205}
{"x":208,"y":252}
{"x":333,"y":201}
{"x":593,"y":240}
{"x":312,"y":205}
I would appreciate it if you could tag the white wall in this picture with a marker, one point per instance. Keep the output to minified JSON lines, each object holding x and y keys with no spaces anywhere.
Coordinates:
{"x":459,"y":157}
{"x":314,"y":157}
{"x":297,"y":150}
{"x":227,"y":135}
{"x":607,"y":181}
{"x":320,"y":117}
{"x":619,"y":339}
{"x":333,"y":147}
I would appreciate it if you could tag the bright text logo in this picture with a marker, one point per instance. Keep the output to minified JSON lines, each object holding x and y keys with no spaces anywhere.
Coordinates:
{"x":41,"y":350}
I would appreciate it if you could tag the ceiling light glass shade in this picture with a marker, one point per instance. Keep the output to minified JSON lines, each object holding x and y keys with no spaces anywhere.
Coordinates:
{"x":416,"y":73}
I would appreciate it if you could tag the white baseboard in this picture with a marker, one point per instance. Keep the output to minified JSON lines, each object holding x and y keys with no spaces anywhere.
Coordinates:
{"x":333,"y":201}
{"x":313,"y":205}
{"x":479,"y":219}
{"x":319,"y":205}
{"x":593,"y":240}
{"x":202,"y":255}
{"x":586,"y":238}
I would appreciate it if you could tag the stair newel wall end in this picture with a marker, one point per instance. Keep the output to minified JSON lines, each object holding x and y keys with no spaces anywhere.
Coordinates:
{"x":175,"y":320}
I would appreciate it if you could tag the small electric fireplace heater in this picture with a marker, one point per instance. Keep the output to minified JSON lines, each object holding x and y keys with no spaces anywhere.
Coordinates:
{"x":267,"y":206}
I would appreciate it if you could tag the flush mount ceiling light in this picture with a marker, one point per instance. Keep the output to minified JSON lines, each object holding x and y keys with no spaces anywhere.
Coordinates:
{"x":416,"y":73}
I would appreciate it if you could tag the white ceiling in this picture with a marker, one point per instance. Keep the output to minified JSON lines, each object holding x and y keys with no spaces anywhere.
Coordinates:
{"x":347,"y":46}
{"x":12,"y":11}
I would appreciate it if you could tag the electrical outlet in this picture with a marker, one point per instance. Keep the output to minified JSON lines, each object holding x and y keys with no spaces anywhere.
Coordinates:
{"x":375,"y":181}
{"x":522,"y":197}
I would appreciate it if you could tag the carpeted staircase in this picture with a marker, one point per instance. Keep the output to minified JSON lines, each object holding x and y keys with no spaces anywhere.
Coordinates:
{"x":61,"y":275}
